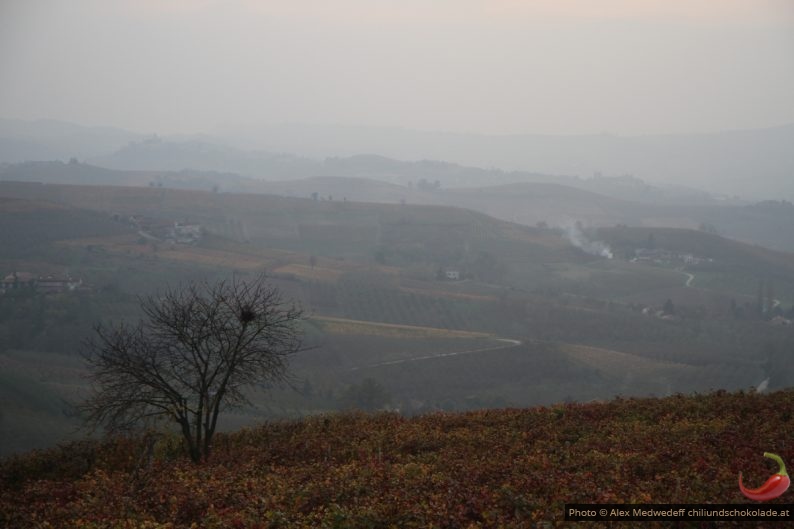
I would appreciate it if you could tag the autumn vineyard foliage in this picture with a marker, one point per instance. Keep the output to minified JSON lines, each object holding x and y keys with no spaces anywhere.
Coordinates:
{"x":492,"y":468}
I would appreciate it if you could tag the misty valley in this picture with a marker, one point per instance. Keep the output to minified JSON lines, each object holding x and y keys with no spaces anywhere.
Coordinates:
{"x":410,"y":308}
{"x":359,"y":264}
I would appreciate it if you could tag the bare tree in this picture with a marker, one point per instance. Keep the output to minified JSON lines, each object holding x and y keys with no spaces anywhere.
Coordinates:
{"x":190,"y":357}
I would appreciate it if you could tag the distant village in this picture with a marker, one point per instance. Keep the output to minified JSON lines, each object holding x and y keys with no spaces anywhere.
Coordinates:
{"x":156,"y":230}
{"x":667,"y":257}
{"x":40,"y":284}
{"x":149,"y":229}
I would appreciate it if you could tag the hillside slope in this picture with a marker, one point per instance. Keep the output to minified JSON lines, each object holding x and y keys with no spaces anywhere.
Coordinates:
{"x":28,"y":224}
{"x":594,"y":202}
{"x":497,"y":468}
{"x":542,"y":321}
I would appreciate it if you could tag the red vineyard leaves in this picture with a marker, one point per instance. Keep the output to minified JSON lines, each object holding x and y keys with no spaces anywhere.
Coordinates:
{"x":494,"y":468}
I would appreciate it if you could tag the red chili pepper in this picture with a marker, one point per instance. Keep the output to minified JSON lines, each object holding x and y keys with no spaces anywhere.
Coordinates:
{"x":776,"y":485}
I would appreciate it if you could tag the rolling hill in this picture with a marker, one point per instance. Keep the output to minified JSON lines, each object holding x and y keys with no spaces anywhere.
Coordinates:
{"x":755,"y":164}
{"x":595,"y":202}
{"x":418,"y":237}
{"x":43,"y":140}
{"x":532,"y":319}
{"x":512,"y":468}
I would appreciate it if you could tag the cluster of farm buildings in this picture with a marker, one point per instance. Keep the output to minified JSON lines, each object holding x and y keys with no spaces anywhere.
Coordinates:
{"x":166,"y":231}
{"x":667,"y":257}
{"x":41,"y":284}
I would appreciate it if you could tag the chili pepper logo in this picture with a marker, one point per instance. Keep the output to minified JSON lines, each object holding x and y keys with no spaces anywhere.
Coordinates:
{"x":776,"y":485}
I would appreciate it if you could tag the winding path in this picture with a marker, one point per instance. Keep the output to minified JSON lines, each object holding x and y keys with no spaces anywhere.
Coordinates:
{"x":689,"y":277}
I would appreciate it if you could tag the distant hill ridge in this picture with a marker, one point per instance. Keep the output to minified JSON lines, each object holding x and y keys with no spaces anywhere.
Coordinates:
{"x":156,"y":154}
{"x":766,"y":223}
{"x":756,"y":164}
{"x":302,"y":209}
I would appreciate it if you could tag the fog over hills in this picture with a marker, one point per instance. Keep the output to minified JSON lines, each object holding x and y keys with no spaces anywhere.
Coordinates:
{"x":749,"y":164}
{"x":756,"y":164}
{"x":47,"y":139}
{"x":438,"y":263}
{"x":611,"y":201}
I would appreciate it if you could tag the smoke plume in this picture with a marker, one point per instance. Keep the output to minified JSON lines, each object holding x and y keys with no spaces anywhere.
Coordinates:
{"x":578,"y":239}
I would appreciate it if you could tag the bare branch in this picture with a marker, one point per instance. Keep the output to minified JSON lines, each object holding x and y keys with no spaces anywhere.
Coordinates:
{"x":191,"y":356}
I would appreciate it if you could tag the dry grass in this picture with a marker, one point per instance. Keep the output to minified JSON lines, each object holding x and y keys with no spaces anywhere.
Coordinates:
{"x":11,"y":205}
{"x":449,"y":295}
{"x":371,"y":328}
{"x":203,"y":256}
{"x":128,"y":245}
{"x":109,"y":243}
{"x":317,"y":273}
{"x":610,"y":361}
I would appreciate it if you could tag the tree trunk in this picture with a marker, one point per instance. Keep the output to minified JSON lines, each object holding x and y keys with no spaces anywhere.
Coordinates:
{"x":193,"y":450}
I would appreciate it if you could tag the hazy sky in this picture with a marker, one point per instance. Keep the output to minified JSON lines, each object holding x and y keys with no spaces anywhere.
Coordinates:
{"x":498,"y":66}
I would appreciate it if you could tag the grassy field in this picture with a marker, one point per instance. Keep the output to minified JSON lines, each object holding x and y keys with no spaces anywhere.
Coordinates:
{"x":369,"y":328}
